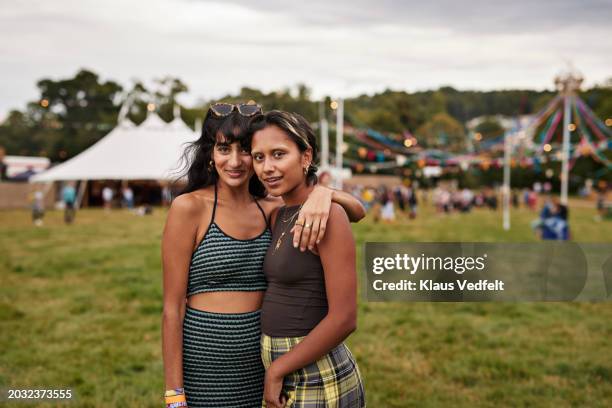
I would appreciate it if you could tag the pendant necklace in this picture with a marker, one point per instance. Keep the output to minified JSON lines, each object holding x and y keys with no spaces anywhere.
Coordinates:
{"x":279,"y":241}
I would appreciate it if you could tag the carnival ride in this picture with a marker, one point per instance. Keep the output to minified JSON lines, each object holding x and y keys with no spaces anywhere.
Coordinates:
{"x":565,"y":130}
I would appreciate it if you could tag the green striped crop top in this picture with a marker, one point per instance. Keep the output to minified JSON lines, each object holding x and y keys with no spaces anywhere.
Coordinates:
{"x":224,"y":263}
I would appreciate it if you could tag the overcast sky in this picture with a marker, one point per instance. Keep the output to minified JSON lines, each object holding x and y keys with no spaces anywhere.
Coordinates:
{"x":341,"y":48}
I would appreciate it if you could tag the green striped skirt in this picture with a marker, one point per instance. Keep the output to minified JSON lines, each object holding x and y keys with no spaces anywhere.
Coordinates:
{"x":333,"y":381}
{"x":221,"y":359}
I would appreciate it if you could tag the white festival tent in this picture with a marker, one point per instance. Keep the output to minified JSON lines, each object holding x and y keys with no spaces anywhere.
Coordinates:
{"x":151,"y":151}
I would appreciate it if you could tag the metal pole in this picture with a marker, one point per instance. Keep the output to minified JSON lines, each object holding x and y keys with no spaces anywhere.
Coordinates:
{"x":567,"y":101}
{"x":339,"y":140}
{"x":324,"y":136}
{"x":506,"y":187}
{"x":324,"y":143}
{"x":80,"y":194}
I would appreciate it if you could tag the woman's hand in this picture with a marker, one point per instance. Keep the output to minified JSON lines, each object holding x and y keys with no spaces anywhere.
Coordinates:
{"x":311,"y":222}
{"x":273,"y":387}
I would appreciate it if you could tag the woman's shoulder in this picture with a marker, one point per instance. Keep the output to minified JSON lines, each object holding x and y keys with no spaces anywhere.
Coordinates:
{"x":270,"y":203}
{"x":194,"y":202}
{"x":338,"y":232}
{"x":337,"y":214}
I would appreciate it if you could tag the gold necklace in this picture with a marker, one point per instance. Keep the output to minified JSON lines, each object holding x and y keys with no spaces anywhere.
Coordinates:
{"x":279,"y":241}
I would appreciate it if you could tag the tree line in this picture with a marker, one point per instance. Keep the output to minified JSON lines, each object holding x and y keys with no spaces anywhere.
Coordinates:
{"x":72,"y":114}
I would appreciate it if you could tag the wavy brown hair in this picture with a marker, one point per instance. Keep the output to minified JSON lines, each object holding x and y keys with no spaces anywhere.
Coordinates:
{"x":197,"y":155}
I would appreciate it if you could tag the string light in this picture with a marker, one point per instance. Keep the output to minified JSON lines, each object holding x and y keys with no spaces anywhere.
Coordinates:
{"x":44,"y":103}
{"x":609,"y":122}
{"x":571,"y":127}
{"x":407,"y":142}
{"x":333,"y":105}
{"x":478,"y":136}
{"x":151,"y":107}
{"x":547,"y":147}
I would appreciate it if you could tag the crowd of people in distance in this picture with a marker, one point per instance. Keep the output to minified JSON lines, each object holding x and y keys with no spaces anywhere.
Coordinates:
{"x":111,"y":198}
{"x":384,"y":203}
{"x":390,"y":203}
{"x":381,"y":201}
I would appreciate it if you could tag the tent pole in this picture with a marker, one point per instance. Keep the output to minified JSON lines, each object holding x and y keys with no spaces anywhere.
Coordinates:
{"x":506,"y":188}
{"x":324,"y":136}
{"x":339,"y":141}
{"x":80,"y":194}
{"x":567,"y":100}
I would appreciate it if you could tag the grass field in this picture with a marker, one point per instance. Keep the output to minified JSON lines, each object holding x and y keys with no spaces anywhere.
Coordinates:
{"x":80,"y":308}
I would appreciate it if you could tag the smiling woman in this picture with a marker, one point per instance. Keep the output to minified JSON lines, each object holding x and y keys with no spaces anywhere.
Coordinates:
{"x":310,"y":305}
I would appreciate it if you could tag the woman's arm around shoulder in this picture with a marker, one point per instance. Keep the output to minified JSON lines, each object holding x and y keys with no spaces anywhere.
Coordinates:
{"x":353,"y":207}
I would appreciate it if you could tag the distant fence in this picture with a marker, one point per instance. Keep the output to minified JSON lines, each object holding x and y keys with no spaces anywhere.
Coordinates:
{"x":19,"y":195}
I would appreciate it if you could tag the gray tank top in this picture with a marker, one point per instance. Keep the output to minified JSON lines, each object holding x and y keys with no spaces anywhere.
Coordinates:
{"x":295,"y":301}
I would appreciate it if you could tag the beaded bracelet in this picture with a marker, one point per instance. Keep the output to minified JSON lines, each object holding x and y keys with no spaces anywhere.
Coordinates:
{"x":176,"y":401}
{"x":177,"y":404}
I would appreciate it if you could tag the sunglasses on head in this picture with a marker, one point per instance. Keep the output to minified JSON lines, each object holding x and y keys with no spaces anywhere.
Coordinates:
{"x":225,"y":109}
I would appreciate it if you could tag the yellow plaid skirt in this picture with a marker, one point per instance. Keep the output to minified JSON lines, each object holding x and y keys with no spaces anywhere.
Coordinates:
{"x":333,"y":381}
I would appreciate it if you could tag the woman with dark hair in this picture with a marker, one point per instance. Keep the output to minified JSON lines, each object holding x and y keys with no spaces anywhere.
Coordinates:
{"x":214,"y":241}
{"x":310,"y":305}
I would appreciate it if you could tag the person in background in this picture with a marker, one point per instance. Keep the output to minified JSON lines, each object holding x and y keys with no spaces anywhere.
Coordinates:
{"x":38,"y":208}
{"x":325,"y":179}
{"x":604,"y":209}
{"x":368,"y":197}
{"x":467,"y":199}
{"x":412,"y":201}
{"x":387,"y":212}
{"x":166,"y":195}
{"x":515,"y":199}
{"x":69,"y":199}
{"x":107,"y":197}
{"x":128,"y":197}
{"x":532,"y":200}
{"x":526,"y":192}
{"x":553,"y":222}
{"x":399,"y":192}
{"x":556,"y":226}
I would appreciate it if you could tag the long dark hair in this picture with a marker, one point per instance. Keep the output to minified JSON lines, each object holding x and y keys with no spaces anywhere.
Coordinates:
{"x":197,"y":155}
{"x":297,"y":128}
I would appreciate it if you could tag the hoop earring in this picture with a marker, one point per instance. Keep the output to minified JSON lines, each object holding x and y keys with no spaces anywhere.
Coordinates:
{"x":305,"y":170}
{"x":211,"y":166}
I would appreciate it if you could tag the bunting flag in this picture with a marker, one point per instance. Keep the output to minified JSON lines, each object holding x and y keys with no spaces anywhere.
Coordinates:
{"x":370,"y":150}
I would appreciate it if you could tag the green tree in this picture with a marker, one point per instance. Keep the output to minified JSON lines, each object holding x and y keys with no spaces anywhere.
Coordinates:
{"x":489,"y":128}
{"x":80,"y":109}
{"x":442,"y":132}
{"x":168,"y":88}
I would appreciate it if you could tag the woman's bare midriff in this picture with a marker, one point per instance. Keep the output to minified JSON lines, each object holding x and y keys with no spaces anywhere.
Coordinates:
{"x":226,"y":302}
